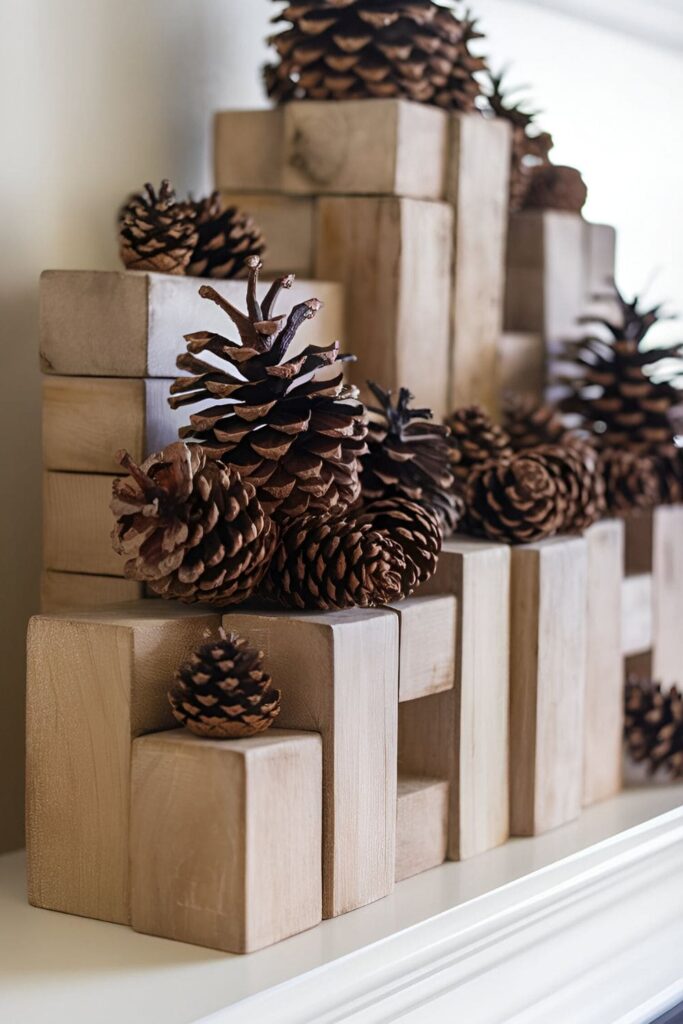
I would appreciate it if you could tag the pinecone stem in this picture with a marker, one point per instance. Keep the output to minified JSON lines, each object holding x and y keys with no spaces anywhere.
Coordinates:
{"x":274,"y":291}
{"x":145,"y":482}
{"x":241,"y":322}
{"x":304,"y":311}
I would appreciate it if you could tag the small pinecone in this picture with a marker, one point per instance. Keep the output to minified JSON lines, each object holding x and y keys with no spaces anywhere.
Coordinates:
{"x":475,"y":439}
{"x":670,"y":476}
{"x":556,"y":187}
{"x":653,"y":726}
{"x":222,"y":692}
{"x":190,"y":527}
{"x":577,"y":466}
{"x":632,"y":481}
{"x":529,"y":423}
{"x":156,"y":233}
{"x":364,"y":559}
{"x":409,"y":456}
{"x":227,"y":237}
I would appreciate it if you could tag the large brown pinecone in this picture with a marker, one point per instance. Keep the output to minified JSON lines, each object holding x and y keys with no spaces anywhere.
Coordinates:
{"x":355,"y":49}
{"x":295,"y":435}
{"x":227,"y":237}
{"x":556,"y":187}
{"x":223,"y":692}
{"x":653,"y":726}
{"x":156,"y":233}
{"x":367,"y":558}
{"x":190,"y":527}
{"x":530,"y":147}
{"x":409,"y":456}
{"x":475,"y":439}
{"x":632,"y":481}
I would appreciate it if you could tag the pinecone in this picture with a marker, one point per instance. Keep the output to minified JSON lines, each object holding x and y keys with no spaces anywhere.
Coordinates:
{"x":295,"y":436}
{"x":475,"y":439}
{"x":191,"y":528}
{"x":156,"y":233}
{"x":222,"y":692}
{"x":227,"y":237}
{"x":530,"y":147}
{"x":409,"y":456}
{"x":367,"y":558}
{"x":530,"y":423}
{"x":556,"y":187}
{"x":653,"y":726}
{"x":632,"y":481}
{"x":356,"y":49}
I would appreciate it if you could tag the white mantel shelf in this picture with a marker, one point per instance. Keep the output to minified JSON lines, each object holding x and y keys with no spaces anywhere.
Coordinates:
{"x":581,"y":926}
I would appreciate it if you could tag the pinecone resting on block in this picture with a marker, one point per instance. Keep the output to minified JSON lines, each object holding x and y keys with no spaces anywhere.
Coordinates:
{"x":157,"y":233}
{"x":226,"y":238}
{"x":474,"y":440}
{"x":653,"y":726}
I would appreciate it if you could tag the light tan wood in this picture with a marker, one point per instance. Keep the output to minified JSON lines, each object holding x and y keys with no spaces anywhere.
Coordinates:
{"x":66,"y":591}
{"x":604,"y":702}
{"x":667,"y":575}
{"x":287,"y":223}
{"x":521,"y":364}
{"x":338,"y":674}
{"x":393,"y":257}
{"x":249,"y":150}
{"x":600,"y":242}
{"x":427,"y":631}
{"x":226,"y":838}
{"x":77,"y":524}
{"x":141,"y":319}
{"x":95,"y":681}
{"x":636,"y":607}
{"x":421,"y":825}
{"x":478,"y":180}
{"x":547,"y":683}
{"x":462,"y":734}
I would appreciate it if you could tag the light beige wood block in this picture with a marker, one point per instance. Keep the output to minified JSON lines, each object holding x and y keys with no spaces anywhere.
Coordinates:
{"x":427,"y":631}
{"x":66,"y":591}
{"x":287,"y":223}
{"x":338,"y":674}
{"x":636,"y":608}
{"x":478,"y":184}
{"x":521,"y":364}
{"x":77,"y":524}
{"x":421,"y":825}
{"x":141,"y":319}
{"x":249,"y":150}
{"x":547,"y":683}
{"x":226,"y":838}
{"x":667,"y":575}
{"x":393,"y":257}
{"x":462,"y":734}
{"x":604,"y":702}
{"x":95,"y":682}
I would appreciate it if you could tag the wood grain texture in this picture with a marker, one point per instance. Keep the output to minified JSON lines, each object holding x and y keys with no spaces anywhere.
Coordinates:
{"x":287,"y":223}
{"x":248,"y":150}
{"x":421,"y":825}
{"x":95,"y":682}
{"x":68,"y":591}
{"x":636,"y":608}
{"x":547,"y":683}
{"x":521,"y":364}
{"x":338,"y":674}
{"x":226,"y":838}
{"x":667,"y":577}
{"x":77,"y":524}
{"x":427,"y":631}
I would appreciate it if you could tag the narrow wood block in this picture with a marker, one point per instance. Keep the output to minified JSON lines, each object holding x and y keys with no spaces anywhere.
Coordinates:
{"x":427,"y":631}
{"x":636,"y":609}
{"x":338,"y":674}
{"x":95,"y":682}
{"x":77,"y":524}
{"x":393,"y":257}
{"x":478,"y":180}
{"x":249,"y":150}
{"x":521,"y":364}
{"x":226,"y":838}
{"x":547,"y":683}
{"x":667,"y":576}
{"x":604,"y":703}
{"x":600,"y":241}
{"x":638,"y":555}
{"x":66,"y":591}
{"x":287,"y":223}
{"x":421,"y":825}
{"x":141,"y":319}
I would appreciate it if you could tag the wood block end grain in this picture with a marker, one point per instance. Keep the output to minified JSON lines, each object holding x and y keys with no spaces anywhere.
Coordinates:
{"x":421,"y":825}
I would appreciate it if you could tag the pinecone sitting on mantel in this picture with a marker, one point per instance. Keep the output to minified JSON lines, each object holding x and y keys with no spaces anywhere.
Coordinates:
{"x":475,"y":439}
{"x":653,"y":727}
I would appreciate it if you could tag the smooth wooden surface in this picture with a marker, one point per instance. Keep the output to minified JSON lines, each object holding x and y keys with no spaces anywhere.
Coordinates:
{"x":521,"y":364}
{"x":393,"y":257}
{"x":636,"y":608}
{"x":421,"y":825}
{"x":66,"y":591}
{"x":547,"y":683}
{"x":667,"y":576}
{"x":95,"y":682}
{"x":248,"y":150}
{"x":338,"y":674}
{"x":77,"y":524}
{"x":226,"y":838}
{"x":287,"y":223}
{"x":600,"y":241}
{"x":427,"y":631}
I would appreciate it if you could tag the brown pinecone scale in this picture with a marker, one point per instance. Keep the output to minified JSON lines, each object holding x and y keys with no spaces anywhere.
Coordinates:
{"x":474,"y":440}
{"x":226,"y":239}
{"x":156,"y":233}
{"x":632,"y":481}
{"x":556,"y":187}
{"x":653,"y":727}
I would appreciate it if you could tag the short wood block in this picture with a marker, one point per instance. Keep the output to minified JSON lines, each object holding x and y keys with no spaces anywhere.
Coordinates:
{"x":521,"y":364}
{"x":667,"y":576}
{"x":636,"y":607}
{"x":478,"y":186}
{"x":249,"y":150}
{"x":393,"y":257}
{"x":288,"y":225}
{"x":421,"y":825}
{"x":77,"y":524}
{"x":427,"y":631}
{"x":95,"y":682}
{"x":547,"y":683}
{"x":226,"y":838}
{"x":141,"y":319}
{"x":604,"y":703}
{"x":462,"y":734}
{"x":66,"y":591}
{"x":338,"y":674}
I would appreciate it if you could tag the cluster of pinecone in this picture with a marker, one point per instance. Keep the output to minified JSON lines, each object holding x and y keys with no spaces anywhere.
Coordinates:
{"x":203,"y":238}
{"x":653,"y":726}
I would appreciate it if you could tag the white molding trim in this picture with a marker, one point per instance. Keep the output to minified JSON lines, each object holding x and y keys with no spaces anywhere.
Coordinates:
{"x":566,"y":943}
{"x":653,"y":21}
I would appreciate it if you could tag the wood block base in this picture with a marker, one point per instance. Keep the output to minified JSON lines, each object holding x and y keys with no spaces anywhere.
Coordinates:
{"x":77,"y":524}
{"x":288,"y":224}
{"x":427,"y":631}
{"x":421,"y":825}
{"x":69,"y":591}
{"x":521,"y":364}
{"x":636,"y":608}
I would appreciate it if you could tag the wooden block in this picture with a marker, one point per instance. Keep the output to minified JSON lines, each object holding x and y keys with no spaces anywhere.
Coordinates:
{"x":600,"y":242}
{"x":393,"y":257}
{"x":478,"y":182}
{"x":249,"y":150}
{"x":288,"y":225}
{"x":338,"y":674}
{"x":77,"y":524}
{"x":547,"y":683}
{"x":521,"y":364}
{"x":667,"y":576}
{"x":95,"y":682}
{"x":141,"y":319}
{"x":421,"y":825}
{"x":638,"y":555}
{"x":226,"y":838}
{"x":427,"y":631}
{"x":604,"y":702}
{"x":66,"y":591}
{"x":462,"y":734}
{"x":636,"y":608}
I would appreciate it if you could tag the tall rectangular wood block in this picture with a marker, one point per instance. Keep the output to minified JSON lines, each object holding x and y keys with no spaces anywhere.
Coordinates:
{"x":95,"y":682}
{"x":521,"y":364}
{"x":226,"y":838}
{"x":338,"y":674}
{"x":604,"y":705}
{"x":601,"y":245}
{"x":547,"y":683}
{"x":248,"y":150}
{"x":461,"y":735}
{"x":421,"y":825}
{"x":667,"y":602}
{"x":77,"y":524}
{"x":66,"y":591}
{"x":636,"y":610}
{"x":478,"y":180}
{"x":393,"y":257}
{"x":288,"y":223}
{"x":427,"y":645}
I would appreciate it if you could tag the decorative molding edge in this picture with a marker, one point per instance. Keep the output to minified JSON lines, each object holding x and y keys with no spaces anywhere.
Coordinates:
{"x":652,"y":21}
